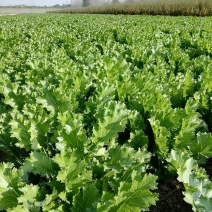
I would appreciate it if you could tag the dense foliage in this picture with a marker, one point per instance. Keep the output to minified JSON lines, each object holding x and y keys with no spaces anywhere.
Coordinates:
{"x":147,"y":7}
{"x":95,"y":109}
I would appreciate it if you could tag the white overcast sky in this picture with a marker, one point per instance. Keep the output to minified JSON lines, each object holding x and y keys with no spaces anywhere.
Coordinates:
{"x":33,"y":2}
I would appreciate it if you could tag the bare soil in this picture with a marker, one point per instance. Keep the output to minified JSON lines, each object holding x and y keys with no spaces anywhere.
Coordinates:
{"x":22,"y":10}
{"x":3,"y":156}
{"x":171,"y":197}
{"x":6,"y":14}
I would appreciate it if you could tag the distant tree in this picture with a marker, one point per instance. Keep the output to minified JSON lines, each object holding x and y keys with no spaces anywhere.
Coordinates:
{"x":56,"y":5}
{"x":85,"y":3}
{"x":115,"y":1}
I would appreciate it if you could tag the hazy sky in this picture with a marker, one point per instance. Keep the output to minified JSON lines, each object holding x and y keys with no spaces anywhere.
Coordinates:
{"x":32,"y":2}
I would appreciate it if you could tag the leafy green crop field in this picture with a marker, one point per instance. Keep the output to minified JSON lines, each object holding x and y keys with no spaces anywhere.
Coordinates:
{"x":95,"y":110}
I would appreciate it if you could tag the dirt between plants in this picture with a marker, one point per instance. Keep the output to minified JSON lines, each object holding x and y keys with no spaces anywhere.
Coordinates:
{"x":3,"y":156}
{"x":170,"y":197}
